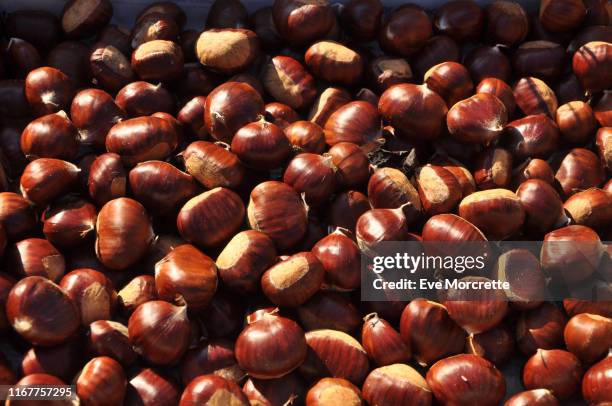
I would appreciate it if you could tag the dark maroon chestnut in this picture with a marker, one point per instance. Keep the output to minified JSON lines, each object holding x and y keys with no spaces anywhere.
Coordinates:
{"x":209,"y":389}
{"x":141,"y":139}
{"x":289,"y":82}
{"x":384,"y":72}
{"x":382,"y":342}
{"x":361,"y":19}
{"x":306,"y":136}
{"x":167,"y":8}
{"x":248,"y":79}
{"x":143,"y":99}
{"x":590,"y":63}
{"x":390,"y":188}
{"x":62,"y":361}
{"x":45,"y":179}
{"x":541,"y":327}
{"x":117,"y":36}
{"x":591,"y":208}
{"x":261,"y":145}
{"x":439,"y":190}
{"x":227,"y":50}
{"x":379,"y":225}
{"x":579,"y":170}
{"x":92,"y":292}
{"x":461,"y":20}
{"x":557,"y":370}
{"x":139,"y":290}
{"x":227,"y":14}
{"x":41,"y":312}
{"x":588,"y":336}
{"x":107,"y":178}
{"x":302,"y":22}
{"x":230,"y":107}
{"x":334,"y":62}
{"x":6,"y":284}
{"x":479,"y":119}
{"x":213,"y":165}
{"x":279,"y":339}
{"x":462,"y":379}
{"x":561,"y":15}
{"x":534,"y":136}
{"x":93,"y":113}
{"x":311,"y":175}
{"x":83,"y":18}
{"x":223,"y":316}
{"x":186,"y":273}
{"x":405,"y":30}
{"x":542,"y":204}
{"x":17,"y":216}
{"x":110,"y":338}
{"x":415,"y":112}
{"x":327,"y":309}
{"x":72,"y":58}
{"x":191,"y":116}
{"x":69,"y":223}
{"x":281,"y":114}
{"x":262,"y":24}
{"x":340,"y":258}
{"x":102,"y":381}
{"x":50,"y":136}
{"x":495,"y":345}
{"x":48,"y":90}
{"x":214,"y":357}
{"x":346,"y":208}
{"x":533,"y":169}
{"x":499,"y":89}
{"x":196,"y":81}
{"x":541,"y":59}
{"x":158,"y":60}
{"x":488,"y":62}
{"x":153,"y":26}
{"x":507,"y":23}
{"x":39,"y":27}
{"x":498,"y":213}
{"x":450,"y":80}
{"x":23,"y":57}
{"x":596,"y":382}
{"x":36,"y":257}
{"x":437,"y":49}
{"x":357,"y":122}
{"x":159,"y":331}
{"x":533,"y":96}
{"x":10,"y":141}
{"x":534,"y":397}
{"x":109,"y":67}
{"x":123,"y":233}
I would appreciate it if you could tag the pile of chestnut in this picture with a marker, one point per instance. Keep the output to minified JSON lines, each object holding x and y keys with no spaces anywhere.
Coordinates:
{"x":183,"y":212}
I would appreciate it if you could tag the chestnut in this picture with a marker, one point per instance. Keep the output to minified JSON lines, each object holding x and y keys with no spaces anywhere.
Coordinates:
{"x":69,"y":223}
{"x":415,"y":112}
{"x":450,"y":80}
{"x":16,"y":216}
{"x":488,"y":62}
{"x":139,"y":290}
{"x":305,"y":136}
{"x":507,"y":23}
{"x":533,"y":96}
{"x":557,"y":370}
{"x":280,"y":340}
{"x":41,"y":312}
{"x":591,"y":208}
{"x":357,"y":122}
{"x":535,"y":397}
{"x":437,"y":49}
{"x":213,"y":165}
{"x":117,"y":36}
{"x":340,"y":258}
{"x":72,"y":58}
{"x":30,"y":26}
{"x":499,"y":89}
{"x":389,"y":188}
{"x":533,"y":136}
{"x":405,"y":30}
{"x":188,"y":273}
{"x":533,"y":169}
{"x":596,"y":382}
{"x":330,"y":100}
{"x":379,"y":225}
{"x":333,"y":391}
{"x":336,"y":354}
{"x":143,"y":99}
{"x":159,"y":331}
{"x":123,"y":233}
{"x":498,"y":213}
{"x":461,"y":20}
{"x":346,"y":208}
{"x":281,"y":115}
{"x":94,"y":113}
{"x":361,"y":19}
{"x":561,"y":15}
{"x":603,"y":141}
{"x":541,"y":327}
{"x":542,"y":204}
{"x":351,"y":163}
{"x":334,"y":62}
{"x":83,"y":18}
{"x":209,"y":389}
{"x":158,"y":60}
{"x":196,"y":81}
{"x":34,"y":380}
{"x":450,"y":227}
{"x":102,"y":381}
{"x":109,"y":67}
{"x":602,"y":110}
{"x":289,"y":82}
{"x":23,"y":57}
{"x":214,"y":357}
{"x":45,"y":179}
{"x":439,"y":191}
{"x":160,"y":187}
{"x":63,"y":360}
{"x":262,"y":24}
{"x":230,"y":107}
{"x":149,"y":387}
{"x":191,"y":117}
{"x":590,"y":63}
{"x":479,"y":119}
{"x":227,"y":14}
{"x":277,"y":210}
{"x":141,"y":139}
{"x":48,"y":90}
{"x":541,"y":59}
{"x":495,"y":345}
{"x":312,"y":176}
{"x":153,"y":26}
{"x":423,"y":319}
{"x":210,"y":218}
{"x":588,"y":336}
{"x":50,"y":136}
{"x":167,"y":8}
{"x":579,"y":170}
{"x":248,"y":79}
{"x":576,"y":121}
{"x":396,"y":384}
{"x":464,"y":378}
{"x":223,"y":316}
{"x":493,"y":168}
{"x":107,"y":178}
{"x":36,"y":257}
{"x":302,"y":22}
{"x":378,"y":334}
{"x":227,"y":50}
{"x":384,"y":72}
{"x":293,"y":281}
{"x":110,"y":338}
{"x":329,"y":309}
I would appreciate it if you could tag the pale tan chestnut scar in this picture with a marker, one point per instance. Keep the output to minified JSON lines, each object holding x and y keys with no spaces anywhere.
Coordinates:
{"x":233,"y":251}
{"x":433,"y":186}
{"x":224,"y":49}
{"x":288,"y":272}
{"x":402,"y":372}
{"x":78,"y":12}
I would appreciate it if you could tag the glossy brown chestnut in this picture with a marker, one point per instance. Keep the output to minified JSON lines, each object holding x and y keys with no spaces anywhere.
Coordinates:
{"x":542,"y":204}
{"x":196,"y":81}
{"x":389,"y":188}
{"x":48,"y":90}
{"x":281,"y":114}
{"x":92,"y":292}
{"x":557,"y":370}
{"x":23,"y":57}
{"x":62,"y":361}
{"x":466,"y":378}
{"x":533,"y":96}
{"x":498,"y":213}
{"x":423,"y":319}
{"x":328,"y":391}
{"x":93,"y":113}
{"x":334,"y":62}
{"x":351,"y":163}
{"x":439,"y":190}
{"x":591,"y":208}
{"x":191,"y":116}
{"x":83,"y":18}
{"x":340,"y":258}
{"x":382,"y":342}
{"x":495,"y":345}
{"x":312,"y":176}
{"x":533,"y":169}
{"x":306,"y":136}
{"x":396,"y":384}
{"x":159,"y":331}
{"x":479,"y":119}
{"x":357,"y":122}
{"x":579,"y":170}
{"x":280,"y":340}
{"x":561,"y":15}
{"x":488,"y":62}
{"x":460,"y":19}
{"x":153,"y":26}
{"x":346,"y":208}
{"x":576,"y":121}
{"x":36,"y":257}
{"x":158,"y":60}
{"x":41,"y":312}
{"x":596,"y":382}
{"x":302,"y":22}
{"x":110,"y":338}
{"x":361,"y":19}
{"x":541,"y":59}
{"x":16,"y":215}
{"x":107,"y":178}
{"x":50,"y":136}
{"x":214,"y":357}
{"x":450,"y":227}
{"x":507,"y":23}
{"x":437,"y":49}
{"x":45,"y":179}
{"x":143,"y":99}
{"x":331,"y":310}
{"x":588,"y":336}
{"x":590,"y":64}
{"x":379,"y":225}
{"x":149,"y":387}
{"x":123,"y":233}
{"x":603,"y":141}
{"x":102,"y":381}
{"x":230,"y":107}
{"x":213,"y":165}
{"x":139,"y":290}
{"x":278,"y":211}
{"x":405,"y":30}
{"x":227,"y":50}
{"x":541,"y":327}
{"x":211,"y":218}
{"x":535,"y":397}
{"x":450,"y":80}
{"x":141,"y":139}
{"x":109,"y":67}
{"x":499,"y":89}
{"x":210,"y":389}
{"x":415,"y":112}
{"x":534,"y":136}
{"x":187,"y":273}
{"x":289,"y":82}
